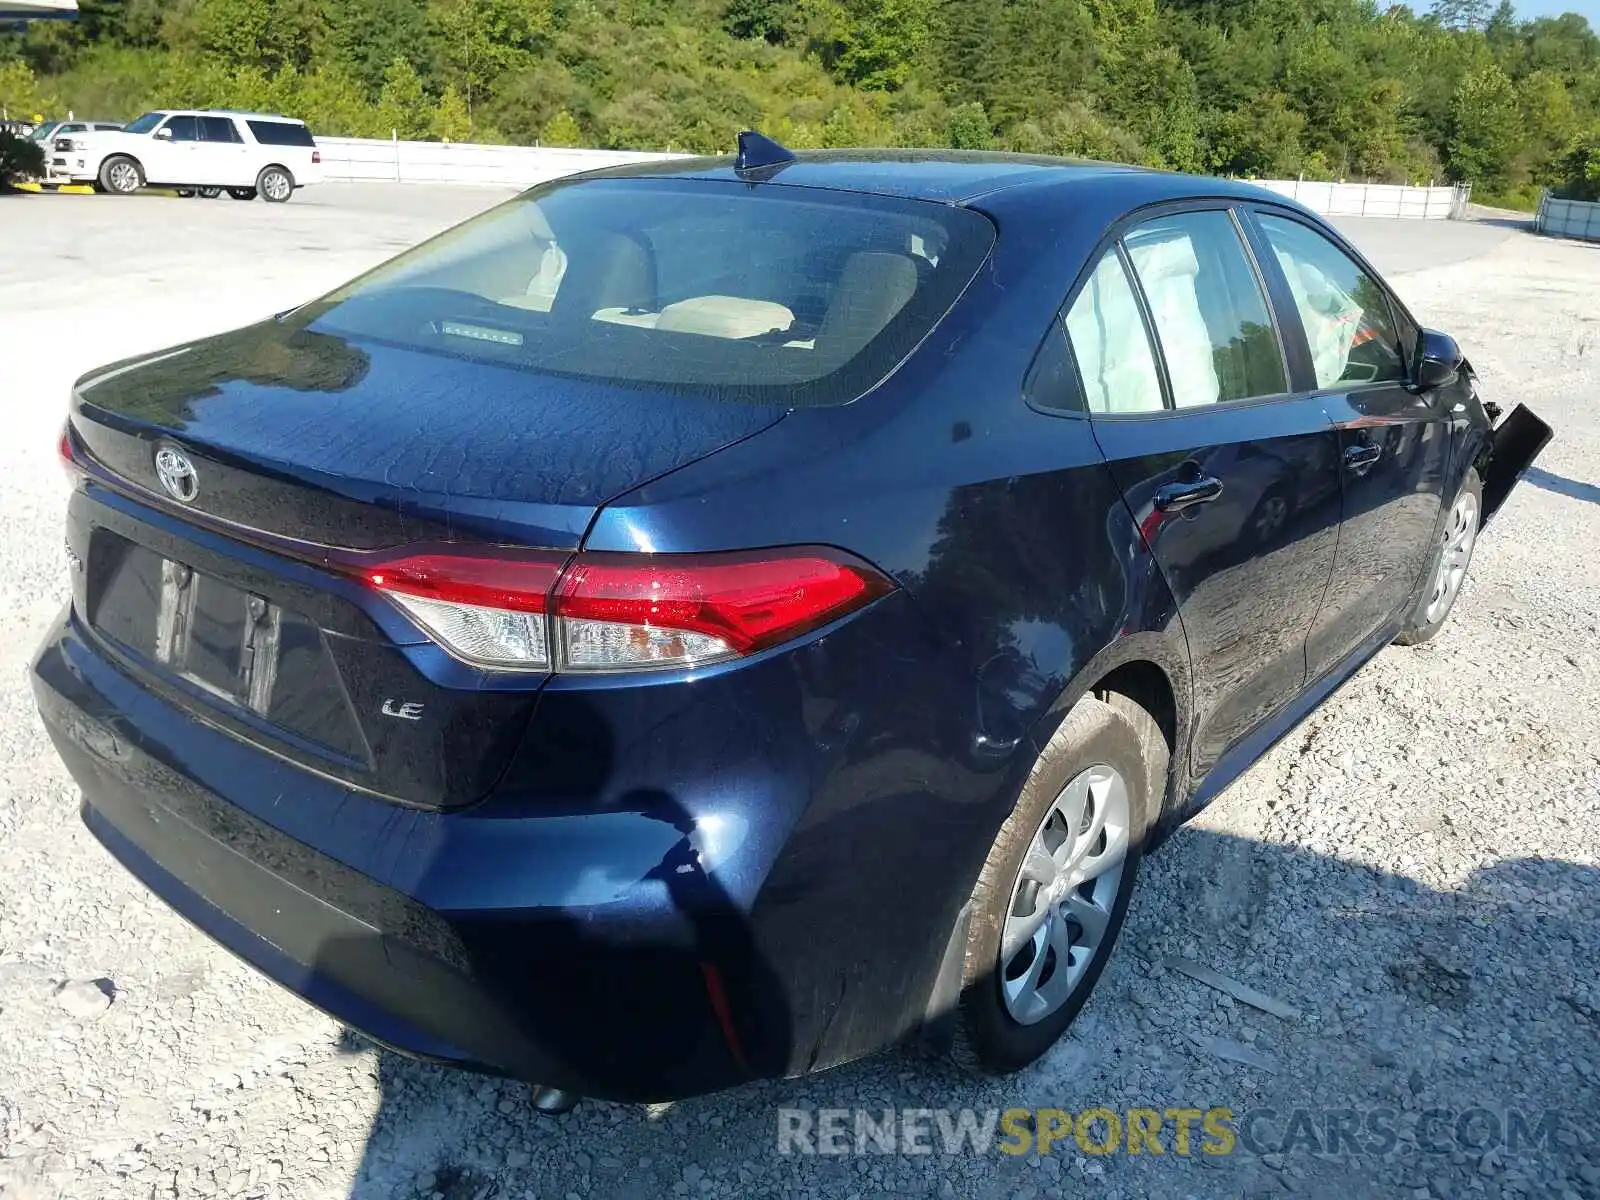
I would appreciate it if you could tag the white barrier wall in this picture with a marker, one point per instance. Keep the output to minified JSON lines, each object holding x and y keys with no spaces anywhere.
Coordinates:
{"x":366,"y":160}
{"x":375,"y":161}
{"x":1373,"y":199}
{"x":1568,"y":218}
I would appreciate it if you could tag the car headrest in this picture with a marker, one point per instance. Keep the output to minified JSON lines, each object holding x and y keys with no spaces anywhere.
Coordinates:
{"x":873,"y":286}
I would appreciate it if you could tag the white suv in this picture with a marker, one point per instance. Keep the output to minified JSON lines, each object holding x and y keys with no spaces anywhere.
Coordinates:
{"x":249,"y":154}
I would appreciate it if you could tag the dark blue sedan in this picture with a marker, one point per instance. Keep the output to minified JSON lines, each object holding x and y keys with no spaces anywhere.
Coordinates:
{"x":715,"y":619}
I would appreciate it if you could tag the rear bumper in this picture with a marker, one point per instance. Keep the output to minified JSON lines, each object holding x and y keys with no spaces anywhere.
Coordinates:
{"x":608,"y":1000}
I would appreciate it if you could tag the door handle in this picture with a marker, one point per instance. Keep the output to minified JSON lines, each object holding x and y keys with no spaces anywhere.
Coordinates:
{"x":1173,"y":497}
{"x":1359,"y":458}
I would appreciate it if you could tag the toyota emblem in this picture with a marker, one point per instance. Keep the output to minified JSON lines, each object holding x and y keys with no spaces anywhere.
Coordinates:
{"x":177,"y":474}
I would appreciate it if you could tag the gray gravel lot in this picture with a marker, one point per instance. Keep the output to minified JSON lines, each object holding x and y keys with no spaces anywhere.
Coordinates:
{"x":1416,"y":870}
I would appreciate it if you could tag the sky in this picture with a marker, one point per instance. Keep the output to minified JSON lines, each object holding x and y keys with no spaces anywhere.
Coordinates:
{"x":1552,"y":8}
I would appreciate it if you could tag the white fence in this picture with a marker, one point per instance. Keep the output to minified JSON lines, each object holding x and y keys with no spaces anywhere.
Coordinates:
{"x":1568,"y":218}
{"x":369,"y":160}
{"x":1373,"y":199}
{"x":366,"y":160}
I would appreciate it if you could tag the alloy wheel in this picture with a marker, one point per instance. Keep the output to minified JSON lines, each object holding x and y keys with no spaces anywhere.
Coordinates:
{"x":1460,"y":532}
{"x":275,"y":185}
{"x":1065,"y":890}
{"x":123,"y":177}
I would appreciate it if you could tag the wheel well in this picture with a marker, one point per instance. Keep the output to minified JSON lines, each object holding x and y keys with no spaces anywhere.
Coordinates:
{"x":1147,"y":686}
{"x":276,"y":167}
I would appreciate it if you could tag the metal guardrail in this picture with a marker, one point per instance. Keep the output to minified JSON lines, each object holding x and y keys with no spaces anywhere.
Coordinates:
{"x":1568,"y":218}
{"x":368,"y":160}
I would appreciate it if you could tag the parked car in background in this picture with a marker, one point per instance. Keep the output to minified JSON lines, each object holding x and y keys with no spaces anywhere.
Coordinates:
{"x":61,"y":139}
{"x":712,"y":619}
{"x":49,"y":131}
{"x":247,"y":154}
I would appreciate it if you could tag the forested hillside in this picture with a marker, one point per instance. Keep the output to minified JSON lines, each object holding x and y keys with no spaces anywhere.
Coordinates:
{"x":1328,"y":88}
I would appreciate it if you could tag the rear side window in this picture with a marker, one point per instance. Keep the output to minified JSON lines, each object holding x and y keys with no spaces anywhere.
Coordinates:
{"x":1108,"y":339}
{"x":218,"y":129}
{"x":1210,"y":315}
{"x":1345,"y":311}
{"x":281,"y":133}
{"x":764,"y":293}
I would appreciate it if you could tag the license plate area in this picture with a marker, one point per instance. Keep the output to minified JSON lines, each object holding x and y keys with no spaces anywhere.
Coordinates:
{"x":218,"y":637}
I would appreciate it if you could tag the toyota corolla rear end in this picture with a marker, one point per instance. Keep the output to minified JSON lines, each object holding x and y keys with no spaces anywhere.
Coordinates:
{"x":342,"y":684}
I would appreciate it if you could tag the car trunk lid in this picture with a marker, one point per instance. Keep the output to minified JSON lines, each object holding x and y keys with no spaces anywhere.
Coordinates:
{"x":318,"y":449}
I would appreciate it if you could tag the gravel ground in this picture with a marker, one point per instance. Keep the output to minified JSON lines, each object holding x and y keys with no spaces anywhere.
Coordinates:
{"x":1414,"y":870}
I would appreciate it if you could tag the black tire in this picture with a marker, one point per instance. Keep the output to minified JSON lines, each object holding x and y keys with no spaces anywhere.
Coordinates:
{"x":248,"y":193}
{"x":209,"y":193}
{"x":275,"y":184}
{"x":1112,"y":732}
{"x":184,"y":193}
{"x":1420,"y":624}
{"x":118,"y":172}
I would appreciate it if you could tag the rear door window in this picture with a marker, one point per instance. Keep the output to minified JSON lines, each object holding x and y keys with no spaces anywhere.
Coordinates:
{"x":1210,"y":314}
{"x":1349,"y":325}
{"x":765,"y":293}
{"x":218,"y":129}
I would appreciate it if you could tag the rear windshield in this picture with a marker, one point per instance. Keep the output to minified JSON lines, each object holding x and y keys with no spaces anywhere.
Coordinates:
{"x":281,"y":133}
{"x":744,"y":292}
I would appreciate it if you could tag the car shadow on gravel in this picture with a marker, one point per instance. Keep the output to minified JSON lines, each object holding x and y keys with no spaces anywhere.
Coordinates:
{"x":1455,"y":1032}
{"x":1562,"y":486}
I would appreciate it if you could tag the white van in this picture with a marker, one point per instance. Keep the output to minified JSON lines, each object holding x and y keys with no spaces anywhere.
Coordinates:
{"x":249,"y":154}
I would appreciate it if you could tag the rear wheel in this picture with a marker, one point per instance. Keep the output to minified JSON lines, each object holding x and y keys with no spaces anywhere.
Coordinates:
{"x":121,"y":175}
{"x":1448,"y":570}
{"x":1053,"y":892}
{"x":210,"y":193}
{"x":275,"y":185}
{"x":248,"y":193}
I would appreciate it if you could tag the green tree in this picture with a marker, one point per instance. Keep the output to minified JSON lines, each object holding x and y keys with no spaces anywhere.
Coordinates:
{"x":22,"y":95}
{"x":1578,"y":169}
{"x":479,"y":40}
{"x":969,"y":128}
{"x":1485,"y":128}
{"x":402,"y":104}
{"x":562,"y":130}
{"x":451,"y":120}
{"x":1261,"y":141}
{"x":770,"y":20}
{"x":367,"y":36}
{"x":877,"y":44}
{"x":233,"y":30}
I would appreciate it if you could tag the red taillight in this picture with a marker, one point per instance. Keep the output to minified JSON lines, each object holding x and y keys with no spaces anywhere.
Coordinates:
{"x":486,"y":608}
{"x":316,"y":156}
{"x":520,"y":583}
{"x":623,"y":612}
{"x":69,"y":461}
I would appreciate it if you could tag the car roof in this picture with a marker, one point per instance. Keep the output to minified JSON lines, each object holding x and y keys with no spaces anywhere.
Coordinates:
{"x":946,"y":176}
{"x":226,"y":112}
